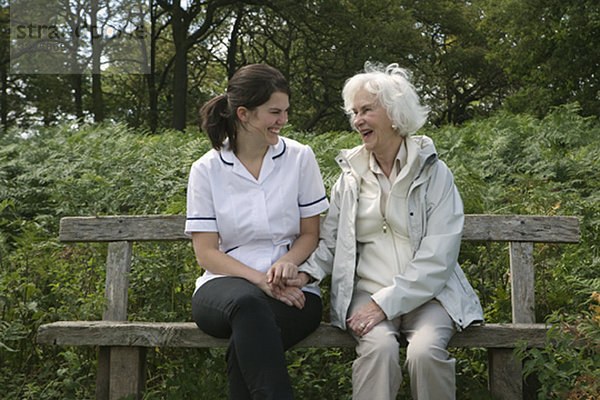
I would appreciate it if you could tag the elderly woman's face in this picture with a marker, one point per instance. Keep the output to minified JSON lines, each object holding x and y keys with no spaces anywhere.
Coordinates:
{"x":372,"y":122}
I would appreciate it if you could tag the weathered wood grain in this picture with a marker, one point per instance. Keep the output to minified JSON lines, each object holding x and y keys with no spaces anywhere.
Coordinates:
{"x":505,"y":370}
{"x":122,"y":228}
{"x":103,"y":374}
{"x":521,"y":228}
{"x":122,"y":344}
{"x":516,"y":228}
{"x":522,"y":282}
{"x":118,"y":265}
{"x":505,"y":375}
{"x":187,"y":334}
{"x":127,"y":372}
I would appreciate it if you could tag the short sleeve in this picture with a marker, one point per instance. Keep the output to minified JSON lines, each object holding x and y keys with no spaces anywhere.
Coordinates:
{"x":312,"y":198}
{"x":201,"y":216}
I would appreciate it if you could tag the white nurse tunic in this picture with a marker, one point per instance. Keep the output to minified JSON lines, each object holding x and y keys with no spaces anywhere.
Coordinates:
{"x":257,"y":220}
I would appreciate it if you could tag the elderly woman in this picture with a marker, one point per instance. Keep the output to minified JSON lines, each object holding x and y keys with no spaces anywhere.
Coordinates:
{"x":391,"y":240}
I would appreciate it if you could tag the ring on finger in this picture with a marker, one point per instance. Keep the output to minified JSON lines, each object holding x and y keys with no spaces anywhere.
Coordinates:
{"x":362,"y":325}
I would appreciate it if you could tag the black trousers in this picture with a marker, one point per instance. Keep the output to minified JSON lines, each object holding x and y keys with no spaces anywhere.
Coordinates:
{"x":260,"y":329}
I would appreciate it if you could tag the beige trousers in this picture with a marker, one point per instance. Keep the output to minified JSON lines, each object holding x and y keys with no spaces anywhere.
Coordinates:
{"x":376,"y":373}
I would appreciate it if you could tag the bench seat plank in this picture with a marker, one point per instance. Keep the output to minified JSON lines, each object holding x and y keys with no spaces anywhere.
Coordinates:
{"x":187,"y":334}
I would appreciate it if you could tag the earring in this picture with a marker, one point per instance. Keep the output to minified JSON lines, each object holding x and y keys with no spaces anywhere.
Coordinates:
{"x":394,"y":127}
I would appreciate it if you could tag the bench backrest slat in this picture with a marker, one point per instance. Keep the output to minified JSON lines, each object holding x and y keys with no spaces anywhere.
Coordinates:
{"x":507,"y":228}
{"x":135,"y":228}
{"x":118,"y":265}
{"x":522,"y":282}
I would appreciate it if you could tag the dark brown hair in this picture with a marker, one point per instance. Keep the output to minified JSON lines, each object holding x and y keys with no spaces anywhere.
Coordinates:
{"x":250,"y":87}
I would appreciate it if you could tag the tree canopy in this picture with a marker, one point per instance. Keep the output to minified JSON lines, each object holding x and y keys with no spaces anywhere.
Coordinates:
{"x":468,"y":58}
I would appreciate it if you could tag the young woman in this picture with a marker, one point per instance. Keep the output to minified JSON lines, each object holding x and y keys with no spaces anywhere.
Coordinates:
{"x":253,"y":206}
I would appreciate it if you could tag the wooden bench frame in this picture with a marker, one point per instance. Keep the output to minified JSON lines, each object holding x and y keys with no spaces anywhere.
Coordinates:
{"x":122,"y":344}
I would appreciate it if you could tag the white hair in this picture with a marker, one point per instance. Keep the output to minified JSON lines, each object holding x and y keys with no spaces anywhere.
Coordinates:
{"x":393,"y":90}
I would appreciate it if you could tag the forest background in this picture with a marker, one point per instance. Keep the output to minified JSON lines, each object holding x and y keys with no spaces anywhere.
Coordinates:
{"x":515,"y":97}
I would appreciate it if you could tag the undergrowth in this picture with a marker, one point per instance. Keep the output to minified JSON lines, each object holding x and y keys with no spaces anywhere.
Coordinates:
{"x":504,"y":164}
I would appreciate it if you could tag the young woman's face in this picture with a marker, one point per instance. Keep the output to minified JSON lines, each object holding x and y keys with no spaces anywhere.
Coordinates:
{"x":372,"y":122}
{"x":265,"y":121}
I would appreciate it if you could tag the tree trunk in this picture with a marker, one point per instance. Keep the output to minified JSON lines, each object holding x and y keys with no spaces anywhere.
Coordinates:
{"x":180,"y":90}
{"x":4,"y":66}
{"x":150,"y":77}
{"x":77,"y":80}
{"x":233,"y":42}
{"x":180,"y":28}
{"x":97,"y":99}
{"x":4,"y":96}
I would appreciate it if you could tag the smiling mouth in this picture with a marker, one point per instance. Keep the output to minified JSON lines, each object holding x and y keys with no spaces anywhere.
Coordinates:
{"x":366,"y":133}
{"x":275,"y":130}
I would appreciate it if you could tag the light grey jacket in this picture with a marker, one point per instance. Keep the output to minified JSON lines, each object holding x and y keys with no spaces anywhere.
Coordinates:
{"x":435,"y":229}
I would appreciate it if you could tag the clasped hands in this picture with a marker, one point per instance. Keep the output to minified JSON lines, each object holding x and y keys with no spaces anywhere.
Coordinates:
{"x":285,"y":283}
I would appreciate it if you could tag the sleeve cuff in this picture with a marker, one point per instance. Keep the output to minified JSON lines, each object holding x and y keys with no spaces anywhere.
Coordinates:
{"x":200,"y":225}
{"x":311,"y":209}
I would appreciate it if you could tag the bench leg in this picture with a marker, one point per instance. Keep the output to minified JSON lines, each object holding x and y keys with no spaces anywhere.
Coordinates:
{"x":127,"y":372}
{"x":103,"y":373}
{"x":121,"y":372}
{"x":505,"y":375}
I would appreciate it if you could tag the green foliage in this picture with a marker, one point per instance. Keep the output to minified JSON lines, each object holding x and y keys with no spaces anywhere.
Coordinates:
{"x":522,"y":165}
{"x":504,"y":164}
{"x":548,"y":51}
{"x":569,"y":366}
{"x":321,"y":373}
{"x":326,"y":147}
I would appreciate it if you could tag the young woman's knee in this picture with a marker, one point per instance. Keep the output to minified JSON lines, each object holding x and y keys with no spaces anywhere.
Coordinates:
{"x":250,"y":303}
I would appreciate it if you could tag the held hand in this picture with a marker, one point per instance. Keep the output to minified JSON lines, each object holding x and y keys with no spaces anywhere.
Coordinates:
{"x":300,"y":281}
{"x":289,"y":295}
{"x":263,"y":285}
{"x":292,"y":296}
{"x":280,"y":272}
{"x":365,"y":318}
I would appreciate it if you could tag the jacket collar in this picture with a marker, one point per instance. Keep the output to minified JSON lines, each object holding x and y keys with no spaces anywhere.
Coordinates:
{"x":421,"y":151}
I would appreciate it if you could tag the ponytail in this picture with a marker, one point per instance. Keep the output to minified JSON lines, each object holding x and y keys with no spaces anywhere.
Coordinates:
{"x":218,"y":122}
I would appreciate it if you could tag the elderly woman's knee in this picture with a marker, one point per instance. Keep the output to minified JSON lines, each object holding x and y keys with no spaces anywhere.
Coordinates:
{"x":381,"y":347}
{"x":420,"y":350}
{"x":425,"y":353}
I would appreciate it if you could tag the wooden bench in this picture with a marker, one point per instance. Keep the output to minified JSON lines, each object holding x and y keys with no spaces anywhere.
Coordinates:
{"x":122,"y":344}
